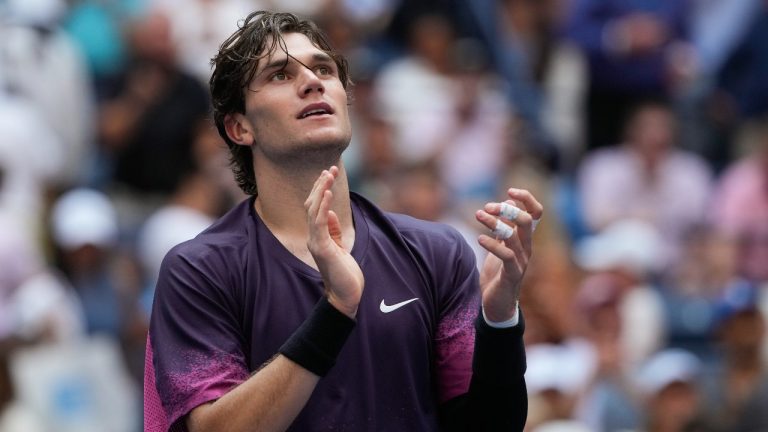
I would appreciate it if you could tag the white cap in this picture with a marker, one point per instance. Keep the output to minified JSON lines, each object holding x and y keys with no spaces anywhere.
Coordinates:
{"x":565,"y":368}
{"x":165,"y":229}
{"x":84,"y":217}
{"x":630,"y":244}
{"x":667,"y":367}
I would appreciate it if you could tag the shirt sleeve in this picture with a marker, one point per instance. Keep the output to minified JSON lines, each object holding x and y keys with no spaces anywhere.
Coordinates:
{"x":195,"y":339}
{"x":459,"y":303}
{"x":480,"y":368}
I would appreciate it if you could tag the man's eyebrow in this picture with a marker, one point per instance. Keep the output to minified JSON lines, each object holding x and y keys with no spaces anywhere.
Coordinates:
{"x":282,"y":63}
{"x":321,"y":57}
{"x":275,"y":64}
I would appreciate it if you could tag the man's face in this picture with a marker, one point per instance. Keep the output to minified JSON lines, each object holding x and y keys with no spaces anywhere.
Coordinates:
{"x":296,"y":105}
{"x":652,"y":131}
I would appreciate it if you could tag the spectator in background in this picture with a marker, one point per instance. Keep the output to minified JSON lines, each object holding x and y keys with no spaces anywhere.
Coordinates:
{"x":629,"y":255}
{"x":622,"y":318}
{"x":34,"y":304}
{"x":608,"y":403}
{"x":739,"y":91}
{"x":646,"y":178}
{"x":378,"y":160}
{"x":459,"y":118}
{"x":543,"y":73}
{"x":635,"y":50}
{"x":556,"y":378}
{"x":740,"y":209}
{"x":84,"y":231}
{"x":736,"y":392}
{"x":717,"y":27}
{"x":43,"y":65}
{"x":742,"y":77}
{"x":199,"y":26}
{"x":692,"y":288}
{"x":35,"y":308}
{"x":668,"y":387}
{"x":30,"y":157}
{"x":147,"y":123}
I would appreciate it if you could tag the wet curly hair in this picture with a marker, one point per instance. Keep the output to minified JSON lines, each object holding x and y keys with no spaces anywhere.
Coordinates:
{"x":234,"y":66}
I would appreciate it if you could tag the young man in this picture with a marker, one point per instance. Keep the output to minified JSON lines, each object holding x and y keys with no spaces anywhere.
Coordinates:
{"x":306,"y":307}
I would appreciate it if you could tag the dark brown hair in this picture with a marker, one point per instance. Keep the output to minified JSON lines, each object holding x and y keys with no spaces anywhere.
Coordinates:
{"x":235,"y":66}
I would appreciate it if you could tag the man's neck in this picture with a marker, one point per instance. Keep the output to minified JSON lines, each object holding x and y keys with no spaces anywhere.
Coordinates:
{"x":280,"y":204}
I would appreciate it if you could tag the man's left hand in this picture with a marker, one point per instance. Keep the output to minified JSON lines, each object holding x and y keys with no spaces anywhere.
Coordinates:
{"x":510,"y":249}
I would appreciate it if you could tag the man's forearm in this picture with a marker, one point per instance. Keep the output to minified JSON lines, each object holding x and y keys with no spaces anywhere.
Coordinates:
{"x":272,"y":398}
{"x":497,"y":398}
{"x":268,"y":401}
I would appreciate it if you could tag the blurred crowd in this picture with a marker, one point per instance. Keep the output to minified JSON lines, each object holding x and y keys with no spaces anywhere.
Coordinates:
{"x":641,"y":124}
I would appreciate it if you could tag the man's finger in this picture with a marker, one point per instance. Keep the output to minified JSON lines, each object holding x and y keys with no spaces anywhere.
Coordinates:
{"x":502,"y":231}
{"x":509,"y":211}
{"x":321,"y":219}
{"x":532,"y":206}
{"x":499,"y":249}
{"x":490,"y":221}
{"x":308,"y":202}
{"x":324,"y":183}
{"x":334,"y":228}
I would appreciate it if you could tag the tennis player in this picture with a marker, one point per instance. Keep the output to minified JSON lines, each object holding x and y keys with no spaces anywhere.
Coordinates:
{"x":307,"y":308}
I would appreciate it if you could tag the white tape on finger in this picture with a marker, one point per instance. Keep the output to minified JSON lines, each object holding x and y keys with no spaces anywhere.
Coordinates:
{"x":502,"y":230}
{"x":509,"y":212}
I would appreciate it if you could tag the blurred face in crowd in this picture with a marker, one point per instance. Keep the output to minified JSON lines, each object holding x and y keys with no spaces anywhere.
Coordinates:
{"x":151,"y":39}
{"x":378,"y":148}
{"x":295,"y":106}
{"x":651,"y":132}
{"x":743,"y":333}
{"x":674,"y":406}
{"x":432,"y":38}
{"x":419,"y":193}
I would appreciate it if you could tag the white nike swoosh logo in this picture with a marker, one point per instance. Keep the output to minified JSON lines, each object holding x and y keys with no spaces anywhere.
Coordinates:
{"x":387,"y":309}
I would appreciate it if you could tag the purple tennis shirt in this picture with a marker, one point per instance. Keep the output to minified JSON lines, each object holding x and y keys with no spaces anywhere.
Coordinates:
{"x":228,"y":299}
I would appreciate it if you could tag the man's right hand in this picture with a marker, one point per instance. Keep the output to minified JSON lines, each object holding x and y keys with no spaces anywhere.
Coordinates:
{"x":341,"y":274}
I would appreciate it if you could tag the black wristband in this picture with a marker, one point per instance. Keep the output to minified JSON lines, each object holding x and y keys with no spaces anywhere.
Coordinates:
{"x":318,"y":341}
{"x":499,"y":353}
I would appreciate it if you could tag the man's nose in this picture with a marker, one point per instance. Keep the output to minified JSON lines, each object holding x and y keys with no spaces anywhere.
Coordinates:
{"x":311,"y":82}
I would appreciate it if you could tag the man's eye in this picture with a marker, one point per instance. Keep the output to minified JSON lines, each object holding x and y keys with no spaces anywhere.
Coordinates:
{"x":279,"y":76}
{"x":323,"y":70}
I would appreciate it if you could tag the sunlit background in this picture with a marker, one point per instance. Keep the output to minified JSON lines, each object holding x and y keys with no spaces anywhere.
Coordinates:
{"x":642,"y":125}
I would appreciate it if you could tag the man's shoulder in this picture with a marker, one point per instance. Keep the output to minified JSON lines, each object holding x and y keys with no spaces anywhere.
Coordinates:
{"x":417,"y":232}
{"x":412,"y":227}
{"x":225,"y":238}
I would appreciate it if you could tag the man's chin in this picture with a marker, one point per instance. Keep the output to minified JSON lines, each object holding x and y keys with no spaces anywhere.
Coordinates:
{"x":311,"y":153}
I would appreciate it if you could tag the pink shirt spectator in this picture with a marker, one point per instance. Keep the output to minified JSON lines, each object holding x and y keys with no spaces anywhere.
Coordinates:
{"x":614,"y":184}
{"x":741,"y":210}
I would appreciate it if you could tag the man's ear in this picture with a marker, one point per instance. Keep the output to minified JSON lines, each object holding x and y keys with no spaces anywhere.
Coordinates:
{"x":239,"y":129}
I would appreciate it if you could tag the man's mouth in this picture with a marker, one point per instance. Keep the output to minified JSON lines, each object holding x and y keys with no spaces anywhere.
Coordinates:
{"x":315,"y":110}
